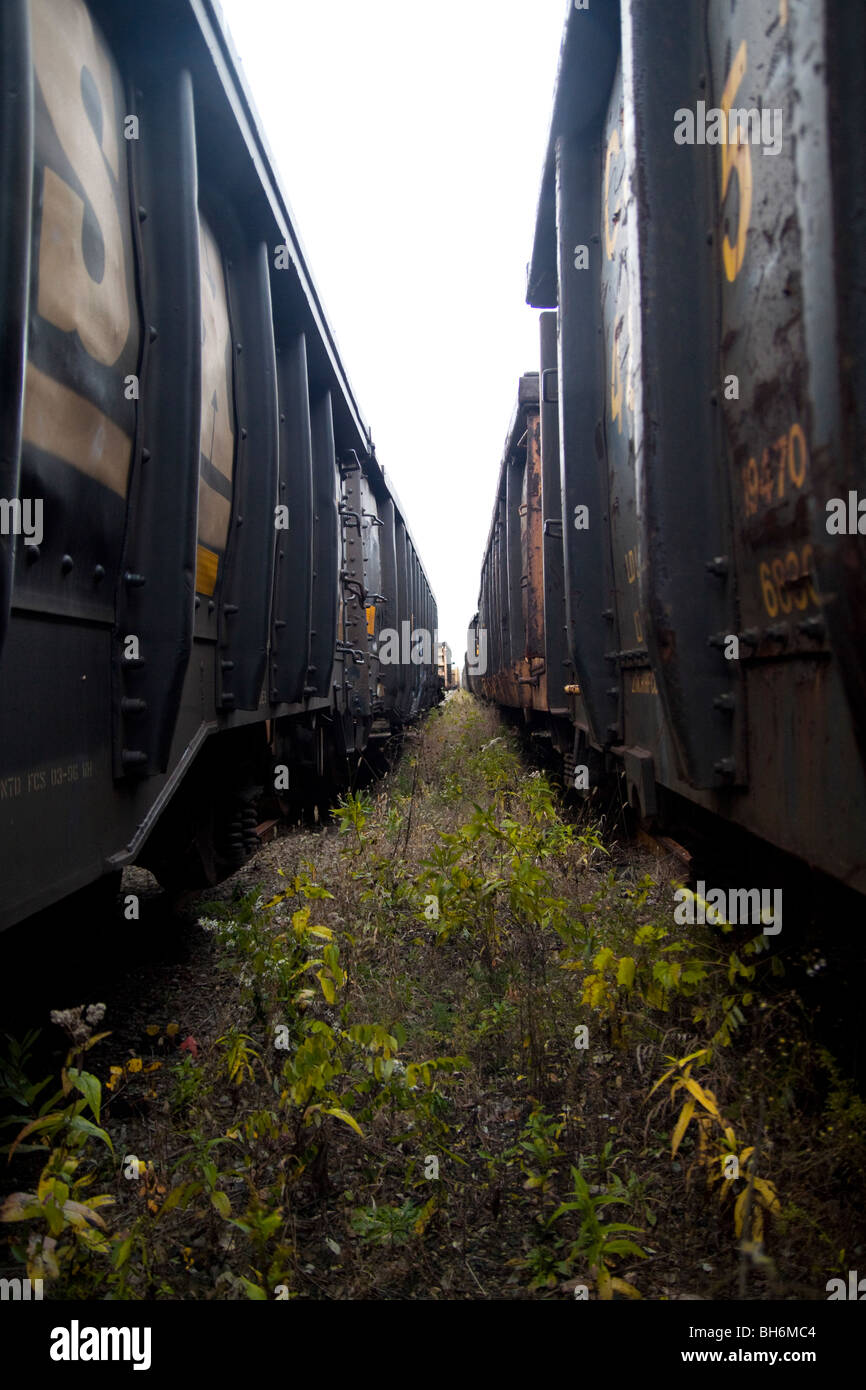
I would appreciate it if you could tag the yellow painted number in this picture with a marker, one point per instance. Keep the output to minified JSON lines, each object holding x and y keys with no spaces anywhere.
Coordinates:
{"x":73,"y":68}
{"x":737,"y":157}
{"x":786,"y":582}
{"x":613,"y":148}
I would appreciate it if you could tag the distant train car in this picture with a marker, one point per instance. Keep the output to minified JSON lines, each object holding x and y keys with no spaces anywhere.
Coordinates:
{"x":674,"y":585}
{"x":449,"y":676}
{"x":198,"y":548}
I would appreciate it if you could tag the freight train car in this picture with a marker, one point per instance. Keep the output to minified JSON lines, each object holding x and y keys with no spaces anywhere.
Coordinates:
{"x":199,"y":549}
{"x":675,"y":580}
{"x":449,"y":676}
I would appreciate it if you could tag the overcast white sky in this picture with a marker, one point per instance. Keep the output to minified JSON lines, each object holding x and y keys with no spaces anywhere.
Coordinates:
{"x":410,"y":138}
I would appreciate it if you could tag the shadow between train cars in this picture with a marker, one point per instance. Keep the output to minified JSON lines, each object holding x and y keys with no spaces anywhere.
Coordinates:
{"x":199,"y":550}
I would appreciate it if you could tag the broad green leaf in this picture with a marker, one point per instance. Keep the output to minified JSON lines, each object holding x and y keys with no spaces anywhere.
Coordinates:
{"x":20,"y":1206}
{"x":81,"y":1126}
{"x":47,"y":1122}
{"x":122,"y":1253}
{"x":625,"y":972}
{"x":175,"y":1197}
{"x":327,"y":986}
{"x":90,"y":1087}
{"x":624,"y":1247}
{"x":221,"y":1202}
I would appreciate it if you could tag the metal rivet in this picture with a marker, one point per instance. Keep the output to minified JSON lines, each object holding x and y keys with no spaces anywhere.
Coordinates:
{"x":718,"y":565}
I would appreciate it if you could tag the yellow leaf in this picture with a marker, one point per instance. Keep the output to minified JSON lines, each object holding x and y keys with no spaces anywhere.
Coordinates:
{"x":133,"y":1065}
{"x":739,"y":1212}
{"x":79,"y":1215}
{"x":327,"y":986}
{"x":701,"y":1052}
{"x":172,"y":1029}
{"x":681,"y":1126}
{"x":152,"y":1029}
{"x":424,"y":1217}
{"x":623,"y":1286}
{"x":662,"y":1079}
{"x":344,"y":1115}
{"x":605,"y":1285}
{"x":20,"y":1206}
{"x":706,"y":1098}
{"x":767,"y":1193}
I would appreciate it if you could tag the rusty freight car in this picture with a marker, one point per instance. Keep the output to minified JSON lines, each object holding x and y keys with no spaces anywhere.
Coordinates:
{"x":675,"y":577}
{"x":199,"y":549}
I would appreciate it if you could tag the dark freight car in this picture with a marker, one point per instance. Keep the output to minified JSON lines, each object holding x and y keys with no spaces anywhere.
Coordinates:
{"x":676,"y":557}
{"x":199,"y":550}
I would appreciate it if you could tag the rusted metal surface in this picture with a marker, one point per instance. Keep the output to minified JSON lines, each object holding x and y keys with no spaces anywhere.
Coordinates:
{"x":511,"y":604}
{"x":533,"y":666}
{"x":557,"y":660}
{"x":168,"y":636}
{"x":710,"y":391}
